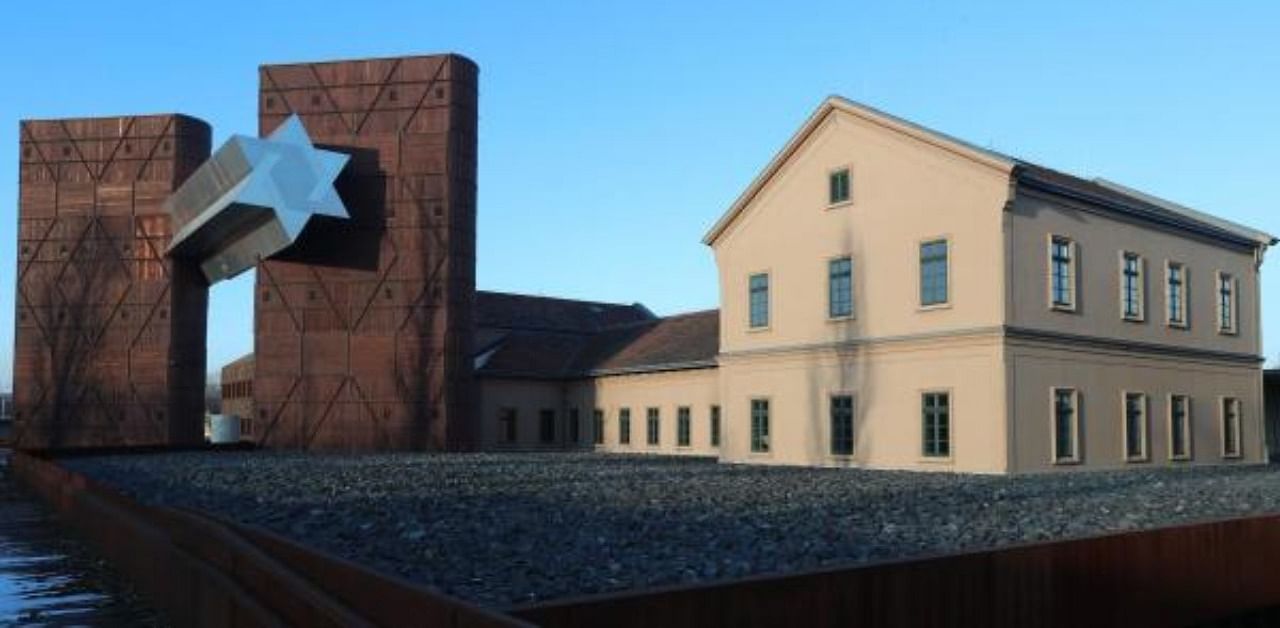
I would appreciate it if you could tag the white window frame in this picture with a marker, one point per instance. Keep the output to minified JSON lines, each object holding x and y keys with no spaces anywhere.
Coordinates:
{"x":1185,"y":323}
{"x":1073,"y":267}
{"x":653,"y":426}
{"x":768,"y":431}
{"x":853,"y":424}
{"x":848,"y":168}
{"x":1145,"y":425}
{"x":945,"y":303}
{"x":768,"y":301}
{"x":1141,"y":290}
{"x":951,"y":425}
{"x":1222,"y":428}
{"x":1233,"y":321}
{"x":852,"y":295}
{"x":1187,"y":430}
{"x":1075,"y":456}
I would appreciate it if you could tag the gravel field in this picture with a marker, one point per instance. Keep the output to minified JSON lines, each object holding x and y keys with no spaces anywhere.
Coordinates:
{"x":503,"y":529}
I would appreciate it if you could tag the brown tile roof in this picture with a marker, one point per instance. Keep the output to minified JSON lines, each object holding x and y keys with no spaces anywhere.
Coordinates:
{"x":548,"y":338}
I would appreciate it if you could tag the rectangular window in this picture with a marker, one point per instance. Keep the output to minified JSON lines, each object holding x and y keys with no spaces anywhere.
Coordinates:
{"x":683,"y":426}
{"x":1066,"y":425}
{"x":1179,"y":427}
{"x":715,"y":426}
{"x":547,"y":426}
{"x":1226,"y":304}
{"x":1230,"y":427}
{"x":1062,"y":273}
{"x":838,"y":186}
{"x":760,"y":425}
{"x":933,"y":273}
{"x":573,"y":426}
{"x":1135,"y":426}
{"x":1132,"y":300}
{"x":1176,"y":294}
{"x":652,"y":425}
{"x":597,"y":420}
{"x":759,"y":287}
{"x":840,"y":288}
{"x":624,"y":426}
{"x":936,"y":409}
{"x":842,"y":425}
{"x":507,"y":425}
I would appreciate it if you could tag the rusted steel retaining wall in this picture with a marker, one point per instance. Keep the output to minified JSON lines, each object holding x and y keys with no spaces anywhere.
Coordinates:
{"x":202,"y":572}
{"x":1176,"y":576}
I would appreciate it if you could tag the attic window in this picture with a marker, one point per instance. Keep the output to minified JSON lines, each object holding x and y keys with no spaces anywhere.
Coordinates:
{"x":838,"y":187}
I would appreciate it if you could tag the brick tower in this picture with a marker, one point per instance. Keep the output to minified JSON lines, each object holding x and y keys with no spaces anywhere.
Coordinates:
{"x":363,"y":327}
{"x":110,"y":342}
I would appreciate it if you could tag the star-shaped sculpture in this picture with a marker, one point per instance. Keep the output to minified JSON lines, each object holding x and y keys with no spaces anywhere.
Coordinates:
{"x":252,"y":199}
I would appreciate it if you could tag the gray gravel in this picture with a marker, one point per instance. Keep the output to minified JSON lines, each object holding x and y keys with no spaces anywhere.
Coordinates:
{"x":504,"y":529}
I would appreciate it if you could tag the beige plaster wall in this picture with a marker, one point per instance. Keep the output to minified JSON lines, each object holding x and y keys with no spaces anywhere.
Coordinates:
{"x":528,"y":397}
{"x":1100,"y":241}
{"x":904,"y":191}
{"x":887,"y":381}
{"x":696,"y":388}
{"x":1100,"y":377}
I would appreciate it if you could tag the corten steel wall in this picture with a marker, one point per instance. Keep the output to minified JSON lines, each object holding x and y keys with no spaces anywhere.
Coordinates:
{"x":363,"y":327}
{"x":110,"y":333}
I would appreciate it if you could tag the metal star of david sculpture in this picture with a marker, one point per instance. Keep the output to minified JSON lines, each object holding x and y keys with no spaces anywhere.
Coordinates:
{"x":252,"y":198}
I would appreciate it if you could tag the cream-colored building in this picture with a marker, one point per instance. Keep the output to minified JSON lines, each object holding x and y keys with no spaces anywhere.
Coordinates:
{"x":892,"y":297}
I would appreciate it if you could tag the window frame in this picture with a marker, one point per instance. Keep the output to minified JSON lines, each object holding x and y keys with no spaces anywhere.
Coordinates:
{"x":951,"y":438}
{"x":1145,"y":424}
{"x":919,"y":255}
{"x":624,"y":426}
{"x":1073,"y":279}
{"x":545,"y":436}
{"x":768,"y":301}
{"x":847,"y":169}
{"x":716,"y":423}
{"x":1233,"y":317}
{"x":597,"y":424}
{"x":755,"y":447}
{"x":1184,"y":287}
{"x":845,"y":257}
{"x":653,"y":426}
{"x":574,"y":434}
{"x":1223,"y":402}
{"x":684,"y":427}
{"x":831,"y":424}
{"x":1187,"y":431}
{"x":508,"y":434}
{"x":1140,"y":291}
{"x":1076,"y":456}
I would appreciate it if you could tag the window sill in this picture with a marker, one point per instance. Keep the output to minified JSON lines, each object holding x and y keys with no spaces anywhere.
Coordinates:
{"x":1137,"y":459}
{"x":1066,"y":309}
{"x":841,"y":319}
{"x":838,"y":205}
{"x":938,"y":460}
{"x":1066,"y":462}
{"x":758,"y":330}
{"x":1133,"y":319}
{"x":1177,"y":325}
{"x":946,"y":305}
{"x":1180,"y":458}
{"x":1228,"y":332}
{"x":1232,"y":456}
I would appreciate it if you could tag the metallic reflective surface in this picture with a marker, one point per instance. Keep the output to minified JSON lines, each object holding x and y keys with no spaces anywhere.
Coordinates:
{"x":252,"y":199}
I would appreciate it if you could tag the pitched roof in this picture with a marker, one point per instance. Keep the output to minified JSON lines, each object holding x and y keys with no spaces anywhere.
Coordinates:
{"x":548,"y":338}
{"x":1103,"y":193}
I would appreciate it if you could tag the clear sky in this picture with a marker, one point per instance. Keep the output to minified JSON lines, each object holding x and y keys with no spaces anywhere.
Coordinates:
{"x":612,"y":134}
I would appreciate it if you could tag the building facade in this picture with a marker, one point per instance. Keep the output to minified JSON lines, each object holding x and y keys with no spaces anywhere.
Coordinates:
{"x":236,"y":387}
{"x":892,"y":297}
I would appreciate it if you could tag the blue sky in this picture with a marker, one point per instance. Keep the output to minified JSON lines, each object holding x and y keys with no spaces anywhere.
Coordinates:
{"x":612,"y":134}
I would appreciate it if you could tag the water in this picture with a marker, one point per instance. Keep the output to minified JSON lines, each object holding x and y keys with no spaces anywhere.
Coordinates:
{"x":48,"y":578}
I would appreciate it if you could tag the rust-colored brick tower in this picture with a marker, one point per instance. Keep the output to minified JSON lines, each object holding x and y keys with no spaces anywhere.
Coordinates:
{"x":363,"y":327}
{"x":110,"y":342}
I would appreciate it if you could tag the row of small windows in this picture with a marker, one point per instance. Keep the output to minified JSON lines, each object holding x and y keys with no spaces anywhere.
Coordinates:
{"x":1063,"y":287}
{"x":1066,"y":427}
{"x":237,"y":390}
{"x":547,"y":426}
{"x":934,"y":285}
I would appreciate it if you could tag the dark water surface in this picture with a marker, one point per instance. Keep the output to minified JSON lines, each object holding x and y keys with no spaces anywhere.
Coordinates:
{"x":49,"y":578}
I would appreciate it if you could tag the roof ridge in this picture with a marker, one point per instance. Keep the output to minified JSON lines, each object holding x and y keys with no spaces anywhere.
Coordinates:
{"x":633,"y":305}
